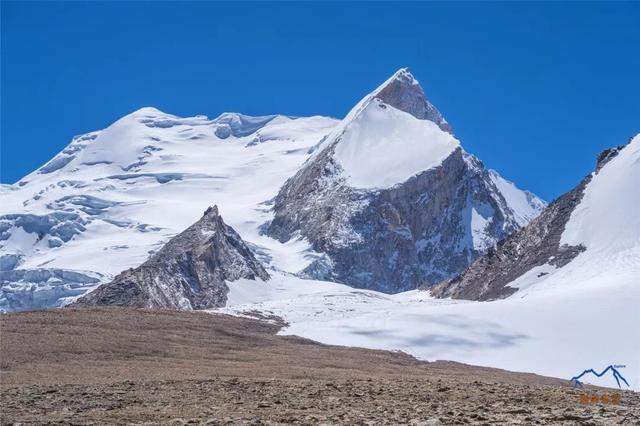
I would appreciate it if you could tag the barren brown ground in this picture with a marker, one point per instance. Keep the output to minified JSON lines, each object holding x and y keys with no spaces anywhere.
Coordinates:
{"x":122,"y":366}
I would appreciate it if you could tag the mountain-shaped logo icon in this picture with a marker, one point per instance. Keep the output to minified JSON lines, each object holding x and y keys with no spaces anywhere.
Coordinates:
{"x":614,"y":371}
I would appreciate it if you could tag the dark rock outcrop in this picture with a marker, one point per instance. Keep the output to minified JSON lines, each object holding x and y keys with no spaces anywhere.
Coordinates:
{"x":189,"y":272}
{"x":536,"y":244}
{"x":403,"y":92}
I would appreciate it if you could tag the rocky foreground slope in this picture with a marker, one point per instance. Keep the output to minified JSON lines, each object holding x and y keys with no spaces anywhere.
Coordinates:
{"x":392,"y":200}
{"x":129,"y":366}
{"x":541,"y":242}
{"x":189,"y":272}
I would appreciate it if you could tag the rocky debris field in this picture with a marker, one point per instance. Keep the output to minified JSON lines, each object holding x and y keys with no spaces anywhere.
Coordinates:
{"x":124,"y":366}
{"x":371,"y":401}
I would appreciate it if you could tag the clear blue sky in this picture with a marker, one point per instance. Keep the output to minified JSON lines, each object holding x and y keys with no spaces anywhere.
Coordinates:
{"x":535,"y":90}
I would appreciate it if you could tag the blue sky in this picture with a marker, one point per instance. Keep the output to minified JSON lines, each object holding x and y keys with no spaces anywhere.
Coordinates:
{"x":535,"y":90}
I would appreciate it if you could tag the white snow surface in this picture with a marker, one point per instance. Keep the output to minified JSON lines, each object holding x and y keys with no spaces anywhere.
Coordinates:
{"x":524,"y":204}
{"x":383,"y":146}
{"x":559,"y":332}
{"x":560,"y":322}
{"x":151,"y":174}
{"x":608,"y":217}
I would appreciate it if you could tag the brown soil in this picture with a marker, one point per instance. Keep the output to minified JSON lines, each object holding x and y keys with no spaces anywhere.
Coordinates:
{"x":112,"y":365}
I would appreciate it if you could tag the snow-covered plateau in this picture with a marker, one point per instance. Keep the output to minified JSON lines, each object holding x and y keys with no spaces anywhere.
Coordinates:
{"x":114,"y":197}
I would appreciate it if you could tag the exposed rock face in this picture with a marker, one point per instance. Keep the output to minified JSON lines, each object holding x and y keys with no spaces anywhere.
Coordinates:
{"x":418,"y":232}
{"x":404,"y":93}
{"x":534,"y":245}
{"x":607,"y":155}
{"x":189,"y":272}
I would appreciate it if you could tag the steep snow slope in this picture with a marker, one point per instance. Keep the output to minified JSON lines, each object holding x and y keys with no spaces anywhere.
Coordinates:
{"x":525,"y":205}
{"x":113,"y":197}
{"x":386,"y":146}
{"x":607,"y":224}
{"x":607,"y":220}
{"x":594,"y":223}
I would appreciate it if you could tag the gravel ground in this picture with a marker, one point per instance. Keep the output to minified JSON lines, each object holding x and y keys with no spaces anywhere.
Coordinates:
{"x":120,"y":366}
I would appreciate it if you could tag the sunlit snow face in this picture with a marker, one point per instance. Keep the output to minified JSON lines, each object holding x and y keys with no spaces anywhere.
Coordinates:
{"x":384,"y":146}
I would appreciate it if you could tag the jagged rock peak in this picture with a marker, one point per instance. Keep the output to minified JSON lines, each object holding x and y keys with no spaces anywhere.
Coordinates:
{"x":189,"y":272}
{"x":403,"y":91}
{"x":211,"y":211}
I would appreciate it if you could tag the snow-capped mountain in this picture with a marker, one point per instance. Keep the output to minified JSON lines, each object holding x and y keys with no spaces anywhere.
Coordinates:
{"x":392,"y":201}
{"x":595,"y":225}
{"x":112,"y":198}
{"x":190,"y":272}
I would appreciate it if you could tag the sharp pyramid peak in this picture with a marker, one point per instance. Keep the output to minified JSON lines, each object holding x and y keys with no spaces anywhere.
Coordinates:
{"x":212,"y":211}
{"x":402,"y":91}
{"x":404,"y":75}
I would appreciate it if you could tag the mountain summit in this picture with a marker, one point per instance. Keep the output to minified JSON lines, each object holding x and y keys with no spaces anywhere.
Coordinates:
{"x":403,"y":92}
{"x":113,"y":197}
{"x":391,"y":200}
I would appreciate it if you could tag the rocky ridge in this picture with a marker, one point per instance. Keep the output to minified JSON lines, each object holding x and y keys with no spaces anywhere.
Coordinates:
{"x":189,"y":272}
{"x":536,"y":244}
